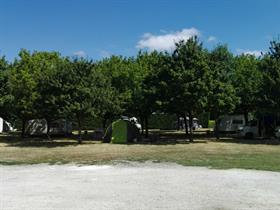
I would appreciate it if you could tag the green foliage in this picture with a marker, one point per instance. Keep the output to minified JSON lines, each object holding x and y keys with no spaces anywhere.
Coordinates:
{"x":144,"y":94}
{"x":163,"y":121}
{"x":203,"y":119}
{"x":221,"y":96}
{"x":188,"y":81}
{"x":23,"y":85}
{"x":5,"y":96}
{"x":119,"y":73}
{"x":269,"y":91}
{"x":48,"y":86}
{"x":247,"y":80}
{"x":86,"y":92}
{"x":189,"y":72}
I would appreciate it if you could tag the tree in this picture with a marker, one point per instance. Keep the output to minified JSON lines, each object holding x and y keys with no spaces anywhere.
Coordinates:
{"x":247,"y":79}
{"x":47,"y":103}
{"x":269,"y":91}
{"x":222,"y":98}
{"x":144,"y":94}
{"x":23,"y":86}
{"x":189,"y":72}
{"x":85,"y":91}
{"x":5,"y":97}
{"x":118,"y":72}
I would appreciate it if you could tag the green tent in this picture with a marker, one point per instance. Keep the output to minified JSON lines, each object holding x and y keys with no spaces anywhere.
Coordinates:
{"x":121,"y":132}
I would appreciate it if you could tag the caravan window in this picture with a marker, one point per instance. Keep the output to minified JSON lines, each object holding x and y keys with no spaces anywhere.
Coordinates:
{"x":237,"y":122}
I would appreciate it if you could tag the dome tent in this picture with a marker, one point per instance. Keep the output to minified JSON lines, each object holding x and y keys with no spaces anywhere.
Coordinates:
{"x":122,"y":131}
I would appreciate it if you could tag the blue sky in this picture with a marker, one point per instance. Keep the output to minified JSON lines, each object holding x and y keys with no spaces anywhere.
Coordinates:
{"x":101,"y":28}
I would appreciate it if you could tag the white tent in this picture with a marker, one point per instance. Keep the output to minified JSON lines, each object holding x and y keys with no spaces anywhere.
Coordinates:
{"x":1,"y":124}
{"x":39,"y":127}
{"x":5,"y":126}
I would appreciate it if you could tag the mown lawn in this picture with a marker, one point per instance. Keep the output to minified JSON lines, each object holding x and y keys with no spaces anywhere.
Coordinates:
{"x":224,"y":154}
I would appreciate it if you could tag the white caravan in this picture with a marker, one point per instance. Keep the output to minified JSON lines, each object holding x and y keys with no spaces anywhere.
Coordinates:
{"x":230,"y":123}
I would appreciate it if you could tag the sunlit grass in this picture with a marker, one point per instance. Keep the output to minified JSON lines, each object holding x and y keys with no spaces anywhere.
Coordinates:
{"x":217,"y":154}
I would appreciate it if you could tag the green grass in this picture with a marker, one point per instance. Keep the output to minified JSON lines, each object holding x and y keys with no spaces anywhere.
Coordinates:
{"x":223,"y":154}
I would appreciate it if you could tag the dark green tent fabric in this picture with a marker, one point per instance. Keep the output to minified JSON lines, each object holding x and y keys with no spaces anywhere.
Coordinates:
{"x":119,"y":131}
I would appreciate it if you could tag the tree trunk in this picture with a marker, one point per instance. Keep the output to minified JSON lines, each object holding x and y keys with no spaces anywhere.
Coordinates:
{"x":142,"y":125}
{"x":246,"y":117}
{"x":146,"y":127}
{"x":260,"y":123}
{"x":104,"y":123}
{"x":48,"y":129}
{"x":178,"y":122}
{"x":186,"y":125}
{"x":191,"y":127}
{"x":79,"y":129}
{"x":217,"y":132}
{"x":23,"y":128}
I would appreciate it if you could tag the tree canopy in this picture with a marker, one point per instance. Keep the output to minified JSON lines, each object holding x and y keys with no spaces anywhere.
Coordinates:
{"x":187,"y":81}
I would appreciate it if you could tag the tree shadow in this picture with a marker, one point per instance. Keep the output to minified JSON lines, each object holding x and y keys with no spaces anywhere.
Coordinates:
{"x":172,"y":138}
{"x":16,"y":140}
{"x":155,"y":138}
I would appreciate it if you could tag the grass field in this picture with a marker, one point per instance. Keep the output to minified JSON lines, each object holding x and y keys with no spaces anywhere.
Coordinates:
{"x":225,"y":153}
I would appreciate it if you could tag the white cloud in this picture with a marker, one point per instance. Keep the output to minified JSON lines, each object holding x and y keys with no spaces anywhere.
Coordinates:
{"x":211,"y":39}
{"x":105,"y":54}
{"x":256,"y":53}
{"x":80,"y":53}
{"x":166,"y":41}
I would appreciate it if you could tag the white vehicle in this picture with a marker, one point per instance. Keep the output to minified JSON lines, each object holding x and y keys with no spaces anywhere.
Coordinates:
{"x":5,"y":126}
{"x":230,"y":123}
{"x":251,"y":130}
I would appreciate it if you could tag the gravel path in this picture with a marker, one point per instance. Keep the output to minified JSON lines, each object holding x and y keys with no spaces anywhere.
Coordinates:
{"x":131,"y":186}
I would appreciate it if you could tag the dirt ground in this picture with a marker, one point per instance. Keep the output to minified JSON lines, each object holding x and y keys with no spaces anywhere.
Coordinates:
{"x":136,"y":186}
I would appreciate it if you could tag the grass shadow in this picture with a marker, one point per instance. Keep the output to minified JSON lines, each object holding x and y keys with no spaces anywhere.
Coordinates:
{"x":15,"y":140}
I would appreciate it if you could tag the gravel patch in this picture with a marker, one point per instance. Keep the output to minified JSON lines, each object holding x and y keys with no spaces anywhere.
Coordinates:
{"x":135,"y":186}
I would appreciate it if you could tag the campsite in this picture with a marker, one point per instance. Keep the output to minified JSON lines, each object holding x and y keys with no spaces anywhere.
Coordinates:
{"x":141,"y":105}
{"x":70,"y":109}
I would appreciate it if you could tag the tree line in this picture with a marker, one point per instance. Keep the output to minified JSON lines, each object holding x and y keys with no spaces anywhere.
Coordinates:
{"x":187,"y":82}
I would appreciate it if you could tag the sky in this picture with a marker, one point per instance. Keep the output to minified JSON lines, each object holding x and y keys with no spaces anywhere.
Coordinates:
{"x":100,"y":28}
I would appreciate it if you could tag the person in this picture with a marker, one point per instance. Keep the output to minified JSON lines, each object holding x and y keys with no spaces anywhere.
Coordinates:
{"x":135,"y":122}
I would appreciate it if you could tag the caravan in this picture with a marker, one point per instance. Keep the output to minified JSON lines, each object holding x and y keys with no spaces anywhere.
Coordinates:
{"x":230,"y":124}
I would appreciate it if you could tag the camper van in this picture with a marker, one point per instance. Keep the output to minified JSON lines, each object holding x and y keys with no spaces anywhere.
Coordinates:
{"x":5,"y":126}
{"x":230,"y":124}
{"x":37,"y":127}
